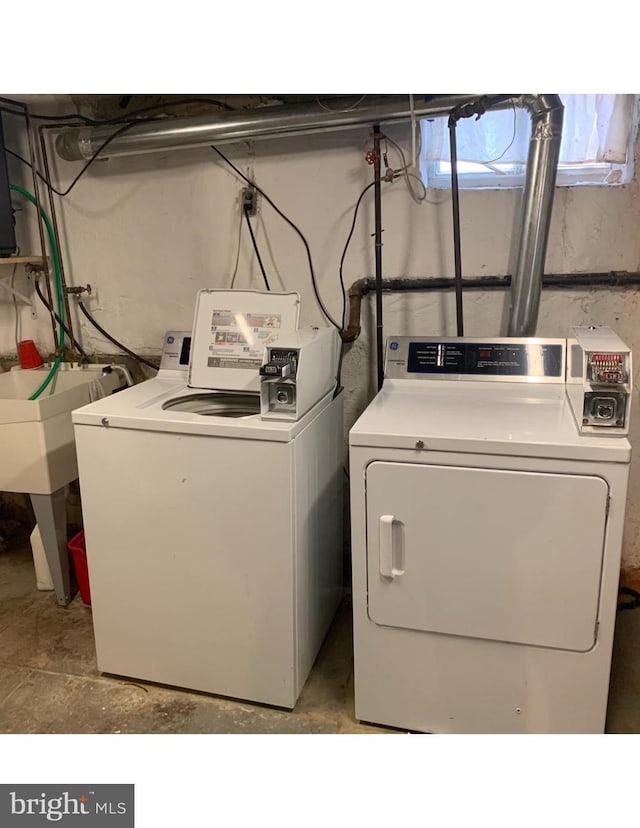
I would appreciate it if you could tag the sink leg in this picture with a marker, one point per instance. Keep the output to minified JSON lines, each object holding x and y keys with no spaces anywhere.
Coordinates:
{"x":51,"y":515}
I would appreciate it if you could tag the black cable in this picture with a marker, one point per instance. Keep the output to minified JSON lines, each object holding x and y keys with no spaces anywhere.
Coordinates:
{"x":78,"y":346}
{"x":123,"y":119}
{"x":82,"y":171}
{"x":346,"y":247}
{"x":255,"y":247}
{"x":114,"y":341}
{"x":291,"y":224}
{"x":161,"y":107}
{"x":634,"y":603}
{"x":88,"y":164}
{"x":342,"y":285}
{"x":343,"y":345}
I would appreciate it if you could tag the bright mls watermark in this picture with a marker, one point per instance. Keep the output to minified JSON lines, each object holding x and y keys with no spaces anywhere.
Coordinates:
{"x":65,"y":805}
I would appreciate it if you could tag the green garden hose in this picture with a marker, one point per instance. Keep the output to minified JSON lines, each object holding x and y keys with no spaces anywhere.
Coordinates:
{"x":55,"y":255}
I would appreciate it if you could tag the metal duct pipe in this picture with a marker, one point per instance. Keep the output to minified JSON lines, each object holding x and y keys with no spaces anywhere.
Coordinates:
{"x":300,"y":119}
{"x":265,"y":122}
{"x":542,"y":163}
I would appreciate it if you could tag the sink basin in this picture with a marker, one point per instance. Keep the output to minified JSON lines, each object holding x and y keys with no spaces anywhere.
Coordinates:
{"x":37,"y":445}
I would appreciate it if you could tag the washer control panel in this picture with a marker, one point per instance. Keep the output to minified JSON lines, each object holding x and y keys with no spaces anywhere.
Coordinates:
{"x":175,"y":351}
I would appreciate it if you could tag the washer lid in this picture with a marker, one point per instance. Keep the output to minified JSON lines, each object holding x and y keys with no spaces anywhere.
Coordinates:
{"x":231,"y":329}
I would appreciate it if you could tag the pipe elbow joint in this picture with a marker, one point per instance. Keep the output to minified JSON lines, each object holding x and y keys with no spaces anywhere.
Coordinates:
{"x":351,"y":333}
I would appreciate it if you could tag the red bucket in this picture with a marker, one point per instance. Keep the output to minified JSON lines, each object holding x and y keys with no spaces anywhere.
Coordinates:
{"x":79,"y":555}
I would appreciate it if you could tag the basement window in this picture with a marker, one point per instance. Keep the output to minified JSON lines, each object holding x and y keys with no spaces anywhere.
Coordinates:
{"x":598,"y":137}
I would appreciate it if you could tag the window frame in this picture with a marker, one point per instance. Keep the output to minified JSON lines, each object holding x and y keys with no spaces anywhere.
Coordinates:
{"x":437,"y":174}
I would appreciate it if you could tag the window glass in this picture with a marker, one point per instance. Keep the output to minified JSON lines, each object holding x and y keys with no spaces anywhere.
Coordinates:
{"x":598,"y":135}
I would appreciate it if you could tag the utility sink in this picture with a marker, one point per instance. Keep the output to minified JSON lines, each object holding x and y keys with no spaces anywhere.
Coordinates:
{"x":38,"y":449}
{"x":37,"y":444}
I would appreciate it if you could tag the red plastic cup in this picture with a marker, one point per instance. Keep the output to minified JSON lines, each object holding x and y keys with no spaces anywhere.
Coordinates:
{"x":28,"y":354}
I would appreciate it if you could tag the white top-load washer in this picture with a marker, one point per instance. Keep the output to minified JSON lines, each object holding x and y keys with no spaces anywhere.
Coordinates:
{"x":214,"y":531}
{"x":488,"y":490}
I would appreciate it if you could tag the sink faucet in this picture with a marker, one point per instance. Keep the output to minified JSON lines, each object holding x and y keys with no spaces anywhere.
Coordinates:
{"x":124,"y":372}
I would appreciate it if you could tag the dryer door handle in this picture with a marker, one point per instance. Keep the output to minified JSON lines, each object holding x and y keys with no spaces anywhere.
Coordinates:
{"x":387,"y":551}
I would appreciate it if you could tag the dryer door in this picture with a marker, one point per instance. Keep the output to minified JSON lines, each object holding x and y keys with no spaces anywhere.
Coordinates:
{"x":510,"y":556}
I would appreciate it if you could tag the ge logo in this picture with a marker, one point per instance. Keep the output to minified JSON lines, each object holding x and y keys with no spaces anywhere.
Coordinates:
{"x":170,"y":340}
{"x":394,"y":346}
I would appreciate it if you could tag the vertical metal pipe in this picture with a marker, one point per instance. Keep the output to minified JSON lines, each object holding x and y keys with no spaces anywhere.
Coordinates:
{"x":455,"y":200}
{"x":542,"y":163}
{"x":377,"y":190}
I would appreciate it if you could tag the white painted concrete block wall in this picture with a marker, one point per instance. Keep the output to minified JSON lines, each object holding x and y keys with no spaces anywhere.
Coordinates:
{"x":148,"y":231}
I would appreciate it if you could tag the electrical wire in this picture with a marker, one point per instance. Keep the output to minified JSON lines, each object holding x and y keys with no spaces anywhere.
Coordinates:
{"x":341,"y":275}
{"x":413,"y":131}
{"x":235,"y":269}
{"x":255,"y":247}
{"x":347,"y":109}
{"x":66,"y":192}
{"x":123,"y":119}
{"x":404,"y":171}
{"x":634,"y":603}
{"x":293,"y":226}
{"x":343,"y":346}
{"x":72,"y":338}
{"x":15,"y":306}
{"x":114,"y":341}
{"x":346,"y":247}
{"x":513,"y":138}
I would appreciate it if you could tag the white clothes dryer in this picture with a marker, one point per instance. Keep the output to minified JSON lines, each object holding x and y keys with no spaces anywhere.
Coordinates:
{"x":486,"y":535}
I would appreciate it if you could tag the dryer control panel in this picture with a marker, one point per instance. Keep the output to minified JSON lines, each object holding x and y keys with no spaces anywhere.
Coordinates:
{"x":501,"y":359}
{"x":593,"y":363}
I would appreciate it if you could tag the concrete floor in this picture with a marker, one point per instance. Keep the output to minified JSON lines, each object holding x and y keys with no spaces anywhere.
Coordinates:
{"x":49,"y":682}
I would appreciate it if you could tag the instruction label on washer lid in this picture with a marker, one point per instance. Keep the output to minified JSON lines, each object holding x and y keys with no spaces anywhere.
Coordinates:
{"x":238,"y":340}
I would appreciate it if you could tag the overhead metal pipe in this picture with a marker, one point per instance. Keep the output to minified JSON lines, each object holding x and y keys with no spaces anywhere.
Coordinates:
{"x":80,"y":144}
{"x":302,"y":119}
